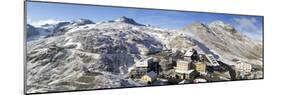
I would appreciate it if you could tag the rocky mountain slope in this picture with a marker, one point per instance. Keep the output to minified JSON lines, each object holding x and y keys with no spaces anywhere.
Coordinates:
{"x":223,"y":40}
{"x":82,"y":54}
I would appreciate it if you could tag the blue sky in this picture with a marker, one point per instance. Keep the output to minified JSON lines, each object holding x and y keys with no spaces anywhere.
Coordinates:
{"x":36,"y":12}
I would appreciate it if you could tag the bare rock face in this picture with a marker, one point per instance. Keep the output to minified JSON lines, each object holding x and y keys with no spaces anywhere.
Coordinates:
{"x":224,"y":39}
{"x":181,"y":42}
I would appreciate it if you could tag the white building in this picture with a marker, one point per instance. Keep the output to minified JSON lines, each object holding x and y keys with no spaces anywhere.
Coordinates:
{"x":189,"y":52}
{"x":182,"y":67}
{"x":243,"y":67}
{"x":143,"y":63}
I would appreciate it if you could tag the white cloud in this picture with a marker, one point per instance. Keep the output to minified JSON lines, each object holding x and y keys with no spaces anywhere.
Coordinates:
{"x":248,"y":26}
{"x":43,"y":22}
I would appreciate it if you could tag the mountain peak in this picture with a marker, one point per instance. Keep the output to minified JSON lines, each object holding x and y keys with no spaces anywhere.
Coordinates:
{"x":29,"y":25}
{"x":44,"y":23}
{"x":198,"y":24}
{"x":124,"y":18}
{"x":82,"y":21}
{"x":127,"y":20}
{"x":225,"y":26}
{"x":219,"y":23}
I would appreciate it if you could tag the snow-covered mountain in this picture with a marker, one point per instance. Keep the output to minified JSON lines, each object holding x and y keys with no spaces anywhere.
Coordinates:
{"x":53,"y":29}
{"x":34,"y":33}
{"x":31,"y":31}
{"x":85,"y":55}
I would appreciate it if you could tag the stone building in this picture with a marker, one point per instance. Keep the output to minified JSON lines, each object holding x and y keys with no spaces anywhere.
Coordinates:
{"x":200,"y":67}
{"x":182,"y":69}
